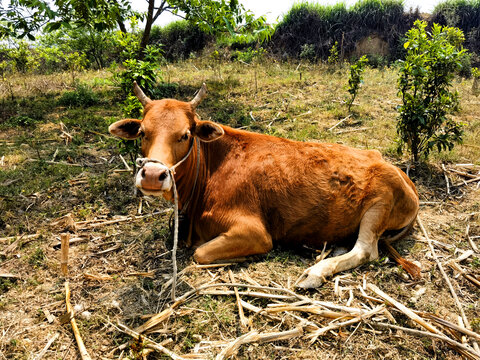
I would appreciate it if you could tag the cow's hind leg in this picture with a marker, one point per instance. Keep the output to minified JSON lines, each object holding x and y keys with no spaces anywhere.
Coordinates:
{"x":372,"y":226}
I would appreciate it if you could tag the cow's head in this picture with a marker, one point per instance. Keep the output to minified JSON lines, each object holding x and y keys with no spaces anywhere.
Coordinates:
{"x":168,"y":130}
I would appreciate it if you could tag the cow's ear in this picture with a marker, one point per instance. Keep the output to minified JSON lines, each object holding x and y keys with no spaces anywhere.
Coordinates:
{"x":208,"y":131}
{"x":128,"y":129}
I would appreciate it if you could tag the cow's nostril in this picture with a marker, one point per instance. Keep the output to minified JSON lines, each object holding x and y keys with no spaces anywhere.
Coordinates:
{"x":142,"y":173}
{"x":162,"y":176}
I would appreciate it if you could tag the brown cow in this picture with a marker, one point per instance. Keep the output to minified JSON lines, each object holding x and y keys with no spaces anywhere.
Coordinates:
{"x":244,"y":190}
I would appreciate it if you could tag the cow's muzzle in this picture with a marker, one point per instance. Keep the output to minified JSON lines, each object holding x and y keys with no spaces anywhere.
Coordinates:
{"x":153,"y":177}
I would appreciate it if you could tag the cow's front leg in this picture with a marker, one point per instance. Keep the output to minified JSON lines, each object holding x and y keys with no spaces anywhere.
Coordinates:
{"x":247,"y":236}
{"x":365,"y":249}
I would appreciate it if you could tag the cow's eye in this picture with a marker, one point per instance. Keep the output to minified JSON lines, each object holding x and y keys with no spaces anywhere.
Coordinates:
{"x":184,"y":137}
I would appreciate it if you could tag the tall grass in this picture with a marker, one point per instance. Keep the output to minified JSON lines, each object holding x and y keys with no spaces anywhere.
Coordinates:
{"x":464,"y":14}
{"x":321,"y":26}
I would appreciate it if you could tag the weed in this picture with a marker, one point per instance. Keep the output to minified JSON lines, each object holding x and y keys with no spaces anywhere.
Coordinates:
{"x":475,"y":264}
{"x":475,"y":323}
{"x":82,"y":96}
{"x":21,"y":120}
{"x":165,"y":90}
{"x":37,"y":258}
{"x":6,"y":284}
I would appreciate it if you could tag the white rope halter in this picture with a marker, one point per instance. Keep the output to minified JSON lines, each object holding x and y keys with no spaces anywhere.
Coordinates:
{"x":171,"y":170}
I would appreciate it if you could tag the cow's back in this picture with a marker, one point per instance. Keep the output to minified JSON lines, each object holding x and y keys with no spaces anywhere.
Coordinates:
{"x":312,"y":192}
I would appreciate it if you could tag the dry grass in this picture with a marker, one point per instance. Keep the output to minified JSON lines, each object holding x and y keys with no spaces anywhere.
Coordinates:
{"x":298,"y":102}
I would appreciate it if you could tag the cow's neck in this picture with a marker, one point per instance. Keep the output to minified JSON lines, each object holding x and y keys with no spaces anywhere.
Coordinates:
{"x":189,"y":179}
{"x":211,"y":154}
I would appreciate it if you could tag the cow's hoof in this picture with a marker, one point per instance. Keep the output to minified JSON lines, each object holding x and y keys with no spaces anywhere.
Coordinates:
{"x":310,"y":281}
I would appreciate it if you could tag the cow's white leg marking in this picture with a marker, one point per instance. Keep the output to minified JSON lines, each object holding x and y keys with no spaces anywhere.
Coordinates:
{"x":365,"y":249}
{"x":247,"y":236}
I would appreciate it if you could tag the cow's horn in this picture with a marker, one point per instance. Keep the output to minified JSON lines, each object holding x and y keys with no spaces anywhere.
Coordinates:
{"x":199,"y":96}
{"x":144,"y":99}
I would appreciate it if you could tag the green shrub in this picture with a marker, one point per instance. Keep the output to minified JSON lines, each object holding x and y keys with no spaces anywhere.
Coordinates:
{"x":377,"y":61}
{"x":248,"y":55}
{"x":145,"y":72}
{"x":333,"y":54}
{"x":20,"y":120}
{"x":424,"y":87}
{"x":465,"y":66}
{"x":82,"y":96}
{"x":179,"y":39}
{"x":308,"y":52}
{"x":356,"y":79}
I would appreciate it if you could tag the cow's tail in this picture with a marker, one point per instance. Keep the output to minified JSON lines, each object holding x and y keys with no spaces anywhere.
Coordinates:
{"x":412,"y":269}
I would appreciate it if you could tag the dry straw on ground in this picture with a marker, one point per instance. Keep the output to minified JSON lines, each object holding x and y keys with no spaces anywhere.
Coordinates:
{"x":120,"y":268}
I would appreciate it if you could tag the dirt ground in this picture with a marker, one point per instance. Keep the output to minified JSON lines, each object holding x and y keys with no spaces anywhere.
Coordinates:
{"x":120,"y":263}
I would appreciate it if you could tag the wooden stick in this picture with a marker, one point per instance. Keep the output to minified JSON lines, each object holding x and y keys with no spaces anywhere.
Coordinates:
{"x":310,"y":309}
{"x":403,"y":309}
{"x":469,"y":277}
{"x":149,"y":343}
{"x":472,"y":354}
{"x":315,"y":334}
{"x":446,"y":178}
{"x":353,"y":130}
{"x":261,"y":295}
{"x":89,"y":276}
{"x":258,"y":310}
{"x":255,"y":337}
{"x":127,"y":167}
{"x":72,"y":241}
{"x":154,"y":321}
{"x":472,"y":244}
{"x":470,"y":176}
{"x":47,"y":346}
{"x":60,"y":163}
{"x":8,"y":238}
{"x":467,"y":182}
{"x":128,"y":218}
{"x":141,"y":274}
{"x":453,"y":326}
{"x":81,"y":346}
{"x":338,"y":123}
{"x":9,"y":276}
{"x":232,"y":348}
{"x":243,"y":319}
{"x":64,"y":238}
{"x":447,"y":280}
{"x":209,"y":266}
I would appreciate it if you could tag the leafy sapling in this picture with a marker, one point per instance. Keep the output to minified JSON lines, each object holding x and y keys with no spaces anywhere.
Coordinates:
{"x":355,"y":79}
{"x":424,"y":86}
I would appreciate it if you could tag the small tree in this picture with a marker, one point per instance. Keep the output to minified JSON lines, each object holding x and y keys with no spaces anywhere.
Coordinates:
{"x":356,"y":79}
{"x":424,"y":85}
{"x":76,"y":62}
{"x":476,"y":78}
{"x":333,"y":54}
